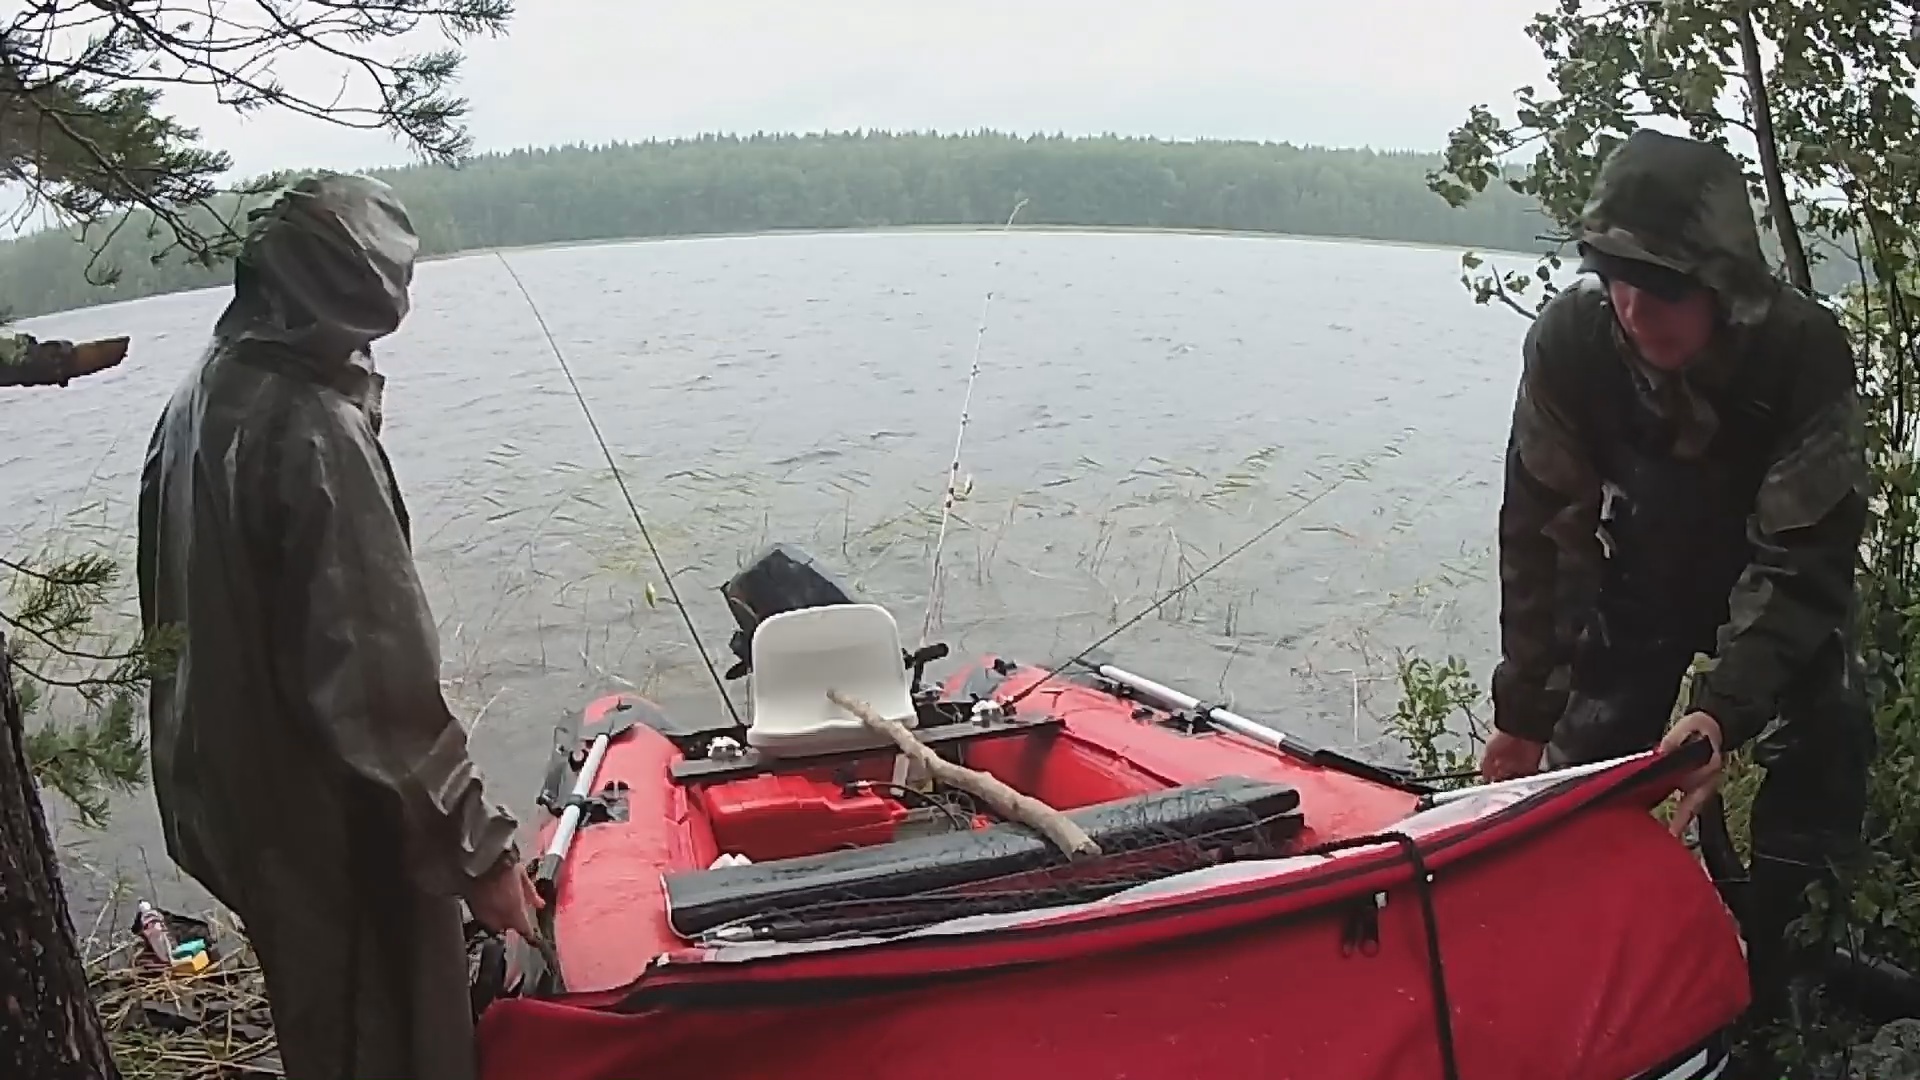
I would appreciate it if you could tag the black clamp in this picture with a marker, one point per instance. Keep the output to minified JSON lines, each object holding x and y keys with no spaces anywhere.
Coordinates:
{"x":610,"y":803}
{"x":571,"y":745}
{"x":918,"y":660}
{"x":1190,"y":721}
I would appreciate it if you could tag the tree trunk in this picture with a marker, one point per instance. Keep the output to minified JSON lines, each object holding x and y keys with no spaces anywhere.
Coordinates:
{"x":1799,"y":271}
{"x":49,"y":1028}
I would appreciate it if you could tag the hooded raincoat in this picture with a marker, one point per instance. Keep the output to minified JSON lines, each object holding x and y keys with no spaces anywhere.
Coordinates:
{"x":1650,"y":516}
{"x":307,"y":768}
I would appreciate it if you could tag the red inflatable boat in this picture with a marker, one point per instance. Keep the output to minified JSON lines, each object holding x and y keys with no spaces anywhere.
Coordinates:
{"x":799,"y":899}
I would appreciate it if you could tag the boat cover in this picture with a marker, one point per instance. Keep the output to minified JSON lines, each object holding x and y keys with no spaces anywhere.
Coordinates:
{"x":1562,"y":934}
{"x":1176,"y":829}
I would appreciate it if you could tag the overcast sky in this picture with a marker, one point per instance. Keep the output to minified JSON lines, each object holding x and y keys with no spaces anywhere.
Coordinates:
{"x":1384,"y":73}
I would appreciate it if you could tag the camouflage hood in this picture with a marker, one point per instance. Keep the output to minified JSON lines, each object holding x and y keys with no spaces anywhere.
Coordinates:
{"x":1682,"y":205}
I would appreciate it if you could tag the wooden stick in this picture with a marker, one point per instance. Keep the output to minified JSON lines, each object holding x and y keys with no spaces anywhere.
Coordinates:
{"x":1010,"y":804}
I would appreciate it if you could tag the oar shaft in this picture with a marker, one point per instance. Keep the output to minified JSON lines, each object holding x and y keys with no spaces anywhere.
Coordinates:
{"x":547,"y":877}
{"x":1213,"y":714}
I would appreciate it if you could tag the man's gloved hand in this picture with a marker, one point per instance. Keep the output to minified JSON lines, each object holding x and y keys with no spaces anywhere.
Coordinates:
{"x":1699,"y":785}
{"x":27,"y":361}
{"x":505,"y":900}
{"x":1509,"y":757}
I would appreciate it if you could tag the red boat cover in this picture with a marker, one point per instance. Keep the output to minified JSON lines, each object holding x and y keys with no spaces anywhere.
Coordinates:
{"x":1576,"y":941}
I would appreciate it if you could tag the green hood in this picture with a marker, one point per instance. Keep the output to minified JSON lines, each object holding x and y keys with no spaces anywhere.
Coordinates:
{"x":1682,"y":204}
{"x":325,"y":269}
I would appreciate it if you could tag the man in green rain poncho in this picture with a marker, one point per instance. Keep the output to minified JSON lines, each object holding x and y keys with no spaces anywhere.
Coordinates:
{"x":1686,"y":475}
{"x":307,"y":768}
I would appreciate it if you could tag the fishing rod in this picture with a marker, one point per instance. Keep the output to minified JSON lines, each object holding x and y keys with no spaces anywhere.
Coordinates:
{"x":546,"y":871}
{"x":1178,"y":588}
{"x":665,"y":576}
{"x":1215,"y":716}
{"x":953,"y":473}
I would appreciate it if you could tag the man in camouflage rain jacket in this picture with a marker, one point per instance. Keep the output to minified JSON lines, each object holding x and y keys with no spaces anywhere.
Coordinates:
{"x":1685,"y":475}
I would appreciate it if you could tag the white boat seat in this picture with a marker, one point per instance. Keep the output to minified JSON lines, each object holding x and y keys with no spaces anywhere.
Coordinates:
{"x":799,"y":655}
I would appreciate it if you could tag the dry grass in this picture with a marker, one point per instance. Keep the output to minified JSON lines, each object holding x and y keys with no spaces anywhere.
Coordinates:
{"x":210,"y":1025}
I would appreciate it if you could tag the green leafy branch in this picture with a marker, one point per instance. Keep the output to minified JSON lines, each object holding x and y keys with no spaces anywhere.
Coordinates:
{"x":1426,"y":720}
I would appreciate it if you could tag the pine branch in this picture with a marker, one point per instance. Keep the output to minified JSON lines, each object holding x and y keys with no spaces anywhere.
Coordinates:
{"x":63,"y":603}
{"x":86,"y":762}
{"x":80,"y":126}
{"x":82,"y":683}
{"x":64,"y":650}
{"x":91,"y":571}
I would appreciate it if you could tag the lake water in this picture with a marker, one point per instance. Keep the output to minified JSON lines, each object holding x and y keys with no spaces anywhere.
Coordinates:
{"x":1144,"y":404}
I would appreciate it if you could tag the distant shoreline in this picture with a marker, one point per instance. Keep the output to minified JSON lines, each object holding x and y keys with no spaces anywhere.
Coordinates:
{"x":881,"y":230}
{"x":876,"y":230}
{"x":726,"y":187}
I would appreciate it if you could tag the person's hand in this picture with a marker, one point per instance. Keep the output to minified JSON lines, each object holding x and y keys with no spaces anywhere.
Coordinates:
{"x":1509,"y":757}
{"x":1698,"y":786}
{"x":505,"y":900}
{"x":55,"y":363}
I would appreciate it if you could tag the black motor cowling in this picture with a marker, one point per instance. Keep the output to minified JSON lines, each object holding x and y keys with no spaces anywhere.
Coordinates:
{"x":781,"y":578}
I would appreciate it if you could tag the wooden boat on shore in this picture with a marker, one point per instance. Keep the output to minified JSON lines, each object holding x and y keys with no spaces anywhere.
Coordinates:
{"x":805,"y":897}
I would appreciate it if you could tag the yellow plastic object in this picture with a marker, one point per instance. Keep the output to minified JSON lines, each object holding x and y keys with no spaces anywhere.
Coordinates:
{"x":191,"y":965}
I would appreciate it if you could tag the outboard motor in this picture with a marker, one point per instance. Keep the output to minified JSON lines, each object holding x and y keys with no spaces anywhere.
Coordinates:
{"x":781,"y":578}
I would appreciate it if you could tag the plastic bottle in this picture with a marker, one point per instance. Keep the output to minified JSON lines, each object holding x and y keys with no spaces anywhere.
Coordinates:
{"x":152,"y":927}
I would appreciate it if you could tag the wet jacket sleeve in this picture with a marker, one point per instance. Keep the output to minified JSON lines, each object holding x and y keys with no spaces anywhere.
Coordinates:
{"x":1796,"y":594}
{"x":356,"y":646}
{"x":1548,"y":549}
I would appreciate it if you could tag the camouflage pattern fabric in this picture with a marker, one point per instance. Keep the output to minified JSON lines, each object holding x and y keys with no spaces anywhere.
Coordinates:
{"x":1650,"y":516}
{"x":1682,"y":204}
{"x":1762,"y":436}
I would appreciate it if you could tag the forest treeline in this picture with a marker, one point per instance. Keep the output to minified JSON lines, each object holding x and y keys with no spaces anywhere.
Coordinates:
{"x":728,"y":184}
{"x":722,"y":184}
